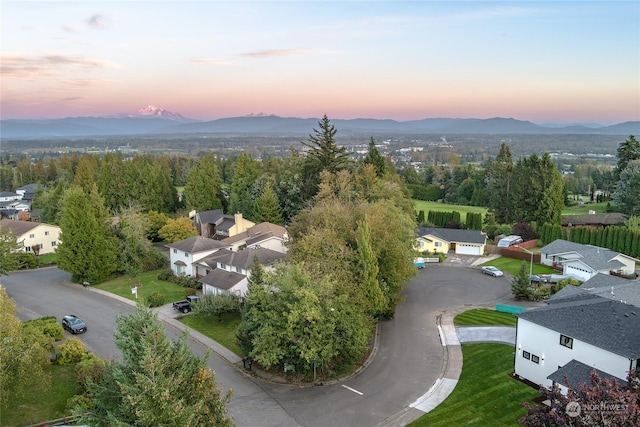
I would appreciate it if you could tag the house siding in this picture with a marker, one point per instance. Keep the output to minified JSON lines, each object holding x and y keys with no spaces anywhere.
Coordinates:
{"x":545,"y":343}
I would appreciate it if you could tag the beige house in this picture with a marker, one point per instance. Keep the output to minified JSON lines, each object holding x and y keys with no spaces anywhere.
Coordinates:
{"x":263,"y":235}
{"x":445,"y":240}
{"x":34,"y":237}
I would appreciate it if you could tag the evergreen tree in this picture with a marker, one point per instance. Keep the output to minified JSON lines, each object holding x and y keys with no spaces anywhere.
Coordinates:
{"x":245,"y":173}
{"x":203,"y":190}
{"x":499,"y":179}
{"x":324,"y":154}
{"x":158,"y":382}
{"x":89,"y":251}
{"x":375,"y":159}
{"x":520,"y":285}
{"x":267,"y":208}
{"x":628,"y":151}
{"x":627,"y":193}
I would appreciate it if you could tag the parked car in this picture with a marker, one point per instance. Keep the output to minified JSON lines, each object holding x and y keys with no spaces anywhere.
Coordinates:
{"x":74,"y":324}
{"x":492,"y":271}
{"x":185,"y":305}
{"x":536,"y":278}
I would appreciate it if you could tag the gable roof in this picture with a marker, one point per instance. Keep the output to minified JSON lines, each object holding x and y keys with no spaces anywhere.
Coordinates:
{"x":209,"y":217}
{"x":454,"y":235}
{"x":196,"y":244}
{"x":615,"y":218}
{"x":595,"y":257}
{"x":222,"y":279}
{"x":578,"y":373}
{"x":18,"y":228}
{"x":604,"y":323}
{"x":601,"y":285}
{"x":244,"y":259}
{"x":257,"y":233}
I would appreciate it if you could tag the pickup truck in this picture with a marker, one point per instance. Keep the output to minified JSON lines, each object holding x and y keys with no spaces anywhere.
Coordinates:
{"x":185,"y":305}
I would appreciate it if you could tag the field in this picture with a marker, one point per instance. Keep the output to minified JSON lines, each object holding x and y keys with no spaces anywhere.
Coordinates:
{"x":147,"y":284}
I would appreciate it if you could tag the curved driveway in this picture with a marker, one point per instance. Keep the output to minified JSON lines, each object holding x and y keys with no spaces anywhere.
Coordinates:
{"x":409,"y":360}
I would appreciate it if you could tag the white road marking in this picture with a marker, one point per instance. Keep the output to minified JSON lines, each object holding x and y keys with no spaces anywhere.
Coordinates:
{"x":351,"y":389}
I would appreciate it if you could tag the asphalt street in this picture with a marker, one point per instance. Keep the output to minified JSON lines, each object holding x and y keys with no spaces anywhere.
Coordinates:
{"x":409,"y":358}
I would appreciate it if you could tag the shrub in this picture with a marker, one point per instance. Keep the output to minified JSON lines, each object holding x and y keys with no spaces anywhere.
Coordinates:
{"x":27,"y":260}
{"x":79,"y":403}
{"x":92,"y":367}
{"x":48,"y":325}
{"x":187,"y":282}
{"x":541,"y":293}
{"x":156,"y":299}
{"x":189,"y":291}
{"x":71,"y":351}
{"x":166,"y":275}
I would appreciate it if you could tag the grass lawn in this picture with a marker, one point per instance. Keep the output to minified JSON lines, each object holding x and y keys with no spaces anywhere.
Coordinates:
{"x":485,"y":395}
{"x":484,"y":316}
{"x":512,"y":266}
{"x":40,"y":404}
{"x":421,"y":205}
{"x":148,"y":284}
{"x":578,"y":209}
{"x":223,"y":332}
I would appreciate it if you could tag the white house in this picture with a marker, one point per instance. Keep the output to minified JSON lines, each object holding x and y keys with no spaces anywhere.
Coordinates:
{"x":228,"y":271}
{"x":574,"y":335}
{"x":585,"y":261}
{"x":184,"y":253}
{"x":35,"y":237}
{"x":443,"y":240}
{"x":263,"y":235}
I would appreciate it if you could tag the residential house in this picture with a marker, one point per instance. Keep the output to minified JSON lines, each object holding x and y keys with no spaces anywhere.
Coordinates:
{"x":444,"y":240}
{"x":35,"y":237}
{"x":216,"y":225}
{"x":606,"y":286}
{"x":594,"y":220}
{"x":585,"y":261}
{"x":263,"y":235}
{"x":574,"y":335}
{"x":228,"y":271}
{"x":184,"y":253}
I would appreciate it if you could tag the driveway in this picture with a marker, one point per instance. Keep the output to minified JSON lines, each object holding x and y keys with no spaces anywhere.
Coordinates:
{"x":410,"y":357}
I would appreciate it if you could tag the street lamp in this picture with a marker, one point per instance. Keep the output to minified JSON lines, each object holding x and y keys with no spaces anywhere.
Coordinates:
{"x":530,"y":264}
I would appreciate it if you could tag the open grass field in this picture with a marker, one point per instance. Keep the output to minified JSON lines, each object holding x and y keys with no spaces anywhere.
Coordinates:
{"x":421,"y":205}
{"x":41,"y":403}
{"x":147,"y":283}
{"x":484,"y":316}
{"x":486,"y":395}
{"x":223,"y":332}
{"x":578,"y":209}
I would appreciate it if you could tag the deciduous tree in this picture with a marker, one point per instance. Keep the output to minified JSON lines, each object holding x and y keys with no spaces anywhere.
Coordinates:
{"x":177,"y":229}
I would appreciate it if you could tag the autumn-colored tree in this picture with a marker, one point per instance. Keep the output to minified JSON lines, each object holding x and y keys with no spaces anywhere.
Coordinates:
{"x":177,"y":229}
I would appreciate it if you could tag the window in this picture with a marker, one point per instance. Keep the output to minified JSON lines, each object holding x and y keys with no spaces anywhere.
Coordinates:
{"x":438,"y":244}
{"x":46,"y":233}
{"x":526,"y":355}
{"x":175,"y":251}
{"x":566,"y":341}
{"x":54,"y":243}
{"x":535,"y":359}
{"x":28,"y":249}
{"x":186,"y":254}
{"x":223,"y":266}
{"x":421,"y":244}
{"x":238,"y":270}
{"x":31,"y":236}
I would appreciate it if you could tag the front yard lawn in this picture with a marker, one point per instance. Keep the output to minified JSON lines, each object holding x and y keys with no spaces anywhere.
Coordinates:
{"x":484,"y":316}
{"x":486,"y":394}
{"x":147,"y":283}
{"x":223,"y":332}
{"x":512,"y":266}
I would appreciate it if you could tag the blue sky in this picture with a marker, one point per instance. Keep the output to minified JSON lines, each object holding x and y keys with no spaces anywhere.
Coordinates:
{"x":540,"y":61}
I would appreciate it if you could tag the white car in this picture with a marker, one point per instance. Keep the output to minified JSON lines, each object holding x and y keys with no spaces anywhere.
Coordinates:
{"x":492,"y":271}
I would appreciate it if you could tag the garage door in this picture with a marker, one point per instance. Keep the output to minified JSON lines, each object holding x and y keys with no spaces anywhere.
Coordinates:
{"x":463,"y":249}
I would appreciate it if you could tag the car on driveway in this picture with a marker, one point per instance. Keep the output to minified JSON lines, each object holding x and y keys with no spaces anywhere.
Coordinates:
{"x":536,"y":278}
{"x":74,"y":324}
{"x":492,"y":271}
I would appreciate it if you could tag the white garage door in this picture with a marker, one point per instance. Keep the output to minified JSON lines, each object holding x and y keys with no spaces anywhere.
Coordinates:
{"x":463,"y":249}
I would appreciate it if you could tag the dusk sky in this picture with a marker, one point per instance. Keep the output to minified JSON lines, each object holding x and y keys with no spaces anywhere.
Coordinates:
{"x":547,"y":62}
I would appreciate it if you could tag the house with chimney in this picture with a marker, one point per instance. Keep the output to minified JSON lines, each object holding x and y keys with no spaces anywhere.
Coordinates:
{"x":216,"y":225}
{"x":263,"y":235}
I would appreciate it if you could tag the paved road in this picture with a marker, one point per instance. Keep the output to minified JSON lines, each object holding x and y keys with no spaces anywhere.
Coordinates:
{"x":408,"y":362}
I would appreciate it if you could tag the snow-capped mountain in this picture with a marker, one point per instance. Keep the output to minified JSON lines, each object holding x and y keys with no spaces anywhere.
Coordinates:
{"x":153,"y":111}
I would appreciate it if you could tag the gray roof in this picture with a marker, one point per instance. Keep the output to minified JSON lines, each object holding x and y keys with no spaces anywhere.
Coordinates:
{"x":601,"y":285}
{"x":257,"y":233}
{"x":604,"y":323}
{"x":602,"y":280}
{"x":196,"y":244}
{"x":454,"y":235}
{"x":210,"y":217}
{"x":568,"y":291}
{"x":226,"y":223}
{"x":244,"y":259}
{"x":595,"y":257}
{"x":222,"y":279}
{"x":595,"y":219}
{"x":578,"y":373}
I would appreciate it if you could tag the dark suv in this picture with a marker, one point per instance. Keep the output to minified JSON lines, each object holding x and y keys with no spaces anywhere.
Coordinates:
{"x":73,"y":324}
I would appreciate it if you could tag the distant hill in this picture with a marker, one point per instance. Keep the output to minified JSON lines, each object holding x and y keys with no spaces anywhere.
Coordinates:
{"x":152,"y":120}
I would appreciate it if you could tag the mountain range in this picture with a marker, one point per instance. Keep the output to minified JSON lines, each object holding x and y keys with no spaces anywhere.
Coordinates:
{"x":154,"y":120}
